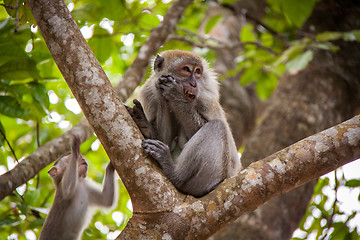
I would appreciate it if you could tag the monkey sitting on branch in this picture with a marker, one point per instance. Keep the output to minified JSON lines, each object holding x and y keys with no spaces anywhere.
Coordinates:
{"x":70,"y":213}
{"x":184,"y":126}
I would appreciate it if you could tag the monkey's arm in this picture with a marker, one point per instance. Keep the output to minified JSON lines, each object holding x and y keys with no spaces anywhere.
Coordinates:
{"x":106,"y":197}
{"x":70,"y":179}
{"x":184,"y":108}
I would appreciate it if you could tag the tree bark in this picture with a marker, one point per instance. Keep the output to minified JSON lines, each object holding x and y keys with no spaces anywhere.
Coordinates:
{"x":322,"y":95}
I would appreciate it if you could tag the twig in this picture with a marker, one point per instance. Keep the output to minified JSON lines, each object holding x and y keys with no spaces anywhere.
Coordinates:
{"x":11,"y":149}
{"x":219,"y":45}
{"x":16,"y":7}
{"x":7,"y":6}
{"x":17,"y":16}
{"x":38,"y":145}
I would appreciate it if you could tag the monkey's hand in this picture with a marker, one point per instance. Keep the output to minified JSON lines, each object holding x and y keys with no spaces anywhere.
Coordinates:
{"x":75,"y":148}
{"x":160,"y":152}
{"x":171,"y":89}
{"x":138,"y":115}
{"x":110,"y":167}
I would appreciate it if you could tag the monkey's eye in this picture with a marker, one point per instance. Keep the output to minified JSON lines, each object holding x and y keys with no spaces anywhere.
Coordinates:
{"x":187,"y":69}
{"x":198,"y":71}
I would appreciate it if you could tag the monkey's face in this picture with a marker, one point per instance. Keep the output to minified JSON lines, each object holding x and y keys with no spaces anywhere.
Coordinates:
{"x":188,"y":74}
{"x":185,"y":67}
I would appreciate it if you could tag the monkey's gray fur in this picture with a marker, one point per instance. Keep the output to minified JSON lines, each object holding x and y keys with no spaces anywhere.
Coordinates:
{"x":184,"y":125}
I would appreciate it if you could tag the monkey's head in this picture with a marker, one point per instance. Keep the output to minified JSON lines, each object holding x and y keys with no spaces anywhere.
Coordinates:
{"x":189,"y":69}
{"x":58,"y":169}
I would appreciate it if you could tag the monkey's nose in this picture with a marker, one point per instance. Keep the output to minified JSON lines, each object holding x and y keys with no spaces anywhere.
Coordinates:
{"x":192,"y":83}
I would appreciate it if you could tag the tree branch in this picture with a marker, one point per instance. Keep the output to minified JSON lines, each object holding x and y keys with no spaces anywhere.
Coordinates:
{"x":293,"y":166}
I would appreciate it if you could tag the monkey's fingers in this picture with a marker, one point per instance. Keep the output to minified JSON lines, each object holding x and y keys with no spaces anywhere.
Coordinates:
{"x":75,"y":148}
{"x":138,"y":109}
{"x":129,"y":109}
{"x":167,"y":79}
{"x":156,"y":149}
{"x":110,"y":167}
{"x":137,"y":104}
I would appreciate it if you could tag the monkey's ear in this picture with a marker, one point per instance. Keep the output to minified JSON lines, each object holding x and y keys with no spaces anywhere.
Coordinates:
{"x":53,"y":171}
{"x":158,"y":63}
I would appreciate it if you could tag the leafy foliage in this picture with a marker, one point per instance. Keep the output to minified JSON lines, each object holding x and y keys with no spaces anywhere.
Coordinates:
{"x":34,"y":96}
{"x":327,"y":216}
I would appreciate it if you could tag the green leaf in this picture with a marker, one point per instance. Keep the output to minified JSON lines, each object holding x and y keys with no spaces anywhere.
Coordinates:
{"x":39,"y":93}
{"x":87,"y":12}
{"x":352,"y":36}
{"x":23,"y":12}
{"x":9,"y":50}
{"x":250,"y":75}
{"x":9,"y":106}
{"x":149,"y":20}
{"x":22,"y":207}
{"x":228,"y":1}
{"x":31,"y":196}
{"x":340,"y":231}
{"x":290,"y":53}
{"x":15,"y":90}
{"x":265,"y":85}
{"x":353,"y":183}
{"x":328,"y":36}
{"x":300,"y":62}
{"x":19,"y":69}
{"x":247,"y":35}
{"x":326,"y":46}
{"x":101,"y":46}
{"x":212,"y":22}
{"x":320,"y":185}
{"x":8,"y":221}
{"x":267,"y":39}
{"x":297,"y":11}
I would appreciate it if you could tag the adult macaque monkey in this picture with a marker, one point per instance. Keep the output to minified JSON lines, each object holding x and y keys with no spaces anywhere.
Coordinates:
{"x":184,"y":125}
{"x":70,"y":212}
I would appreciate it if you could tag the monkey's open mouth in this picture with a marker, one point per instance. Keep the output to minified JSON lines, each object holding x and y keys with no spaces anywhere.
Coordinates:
{"x":189,"y":94}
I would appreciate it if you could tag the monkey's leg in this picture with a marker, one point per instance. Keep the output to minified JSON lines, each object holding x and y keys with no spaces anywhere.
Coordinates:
{"x":201,"y":165}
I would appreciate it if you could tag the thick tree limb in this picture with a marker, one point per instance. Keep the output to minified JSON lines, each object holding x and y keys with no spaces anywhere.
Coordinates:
{"x":261,"y":181}
{"x":29,"y":168}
